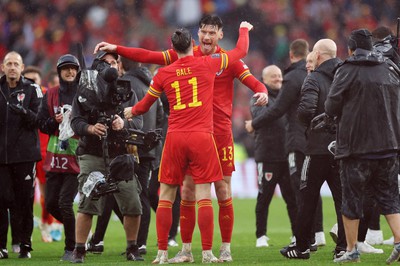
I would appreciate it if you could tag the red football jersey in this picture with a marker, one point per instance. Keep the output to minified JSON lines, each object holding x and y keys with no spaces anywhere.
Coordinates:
{"x":186,"y":84}
{"x":223,"y":86}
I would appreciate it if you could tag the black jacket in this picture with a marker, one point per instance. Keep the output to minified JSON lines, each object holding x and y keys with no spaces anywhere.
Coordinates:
{"x":140,"y":79}
{"x":286,"y":103}
{"x":314,"y":91}
{"x":270,"y":139}
{"x":19,"y":141}
{"x":91,"y":144}
{"x":365,"y":96}
{"x":47,"y":123}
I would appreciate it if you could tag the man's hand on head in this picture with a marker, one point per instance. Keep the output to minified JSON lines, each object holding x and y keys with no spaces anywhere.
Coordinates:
{"x":105,"y":46}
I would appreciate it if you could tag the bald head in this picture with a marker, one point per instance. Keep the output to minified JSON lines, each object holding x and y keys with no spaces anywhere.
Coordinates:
{"x":326,"y":46}
{"x":272,"y":77}
{"x":324,"y":49}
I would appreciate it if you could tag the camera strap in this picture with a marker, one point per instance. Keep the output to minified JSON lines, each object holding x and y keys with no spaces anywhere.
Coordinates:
{"x":106,"y":155}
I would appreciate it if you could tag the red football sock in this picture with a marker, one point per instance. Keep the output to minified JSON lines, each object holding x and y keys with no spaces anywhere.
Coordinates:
{"x":187,"y":220}
{"x":226,"y":219}
{"x":206,"y":223}
{"x":163,"y":223}
{"x":46,"y":216}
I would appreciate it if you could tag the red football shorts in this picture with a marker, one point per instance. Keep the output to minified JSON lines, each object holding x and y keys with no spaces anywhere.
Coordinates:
{"x":226,"y":153}
{"x":195,"y":152}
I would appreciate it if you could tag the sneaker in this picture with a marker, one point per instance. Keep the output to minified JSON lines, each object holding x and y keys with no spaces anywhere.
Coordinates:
{"x":374,"y":237}
{"x":291,"y":252}
{"x":389,"y":241}
{"x":292,"y":244}
{"x":95,"y":248}
{"x":3,"y":253}
{"x":208,"y":257}
{"x":314,"y":247}
{"x":56,"y":231}
{"x":68,"y":256}
{"x":24,"y":254}
{"x":394,"y":256}
{"x":172,"y":243}
{"x":338,"y":253}
{"x":162,"y":257}
{"x":132,"y":253}
{"x":364,"y":247}
{"x":77,"y":256}
{"x":262,"y":241}
{"x":225,"y":254}
{"x":181,"y":257}
{"x":333,"y":233}
{"x":45,"y":232}
{"x":15,"y":248}
{"x":320,"y":239}
{"x":56,"y":235}
{"x":142,"y":250}
{"x":349,"y":256}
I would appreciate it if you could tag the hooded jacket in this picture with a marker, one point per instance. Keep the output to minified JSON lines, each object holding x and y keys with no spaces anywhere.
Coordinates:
{"x":365,"y":96}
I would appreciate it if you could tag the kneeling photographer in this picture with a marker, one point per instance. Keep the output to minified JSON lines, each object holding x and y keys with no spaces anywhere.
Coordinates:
{"x":97,"y":119}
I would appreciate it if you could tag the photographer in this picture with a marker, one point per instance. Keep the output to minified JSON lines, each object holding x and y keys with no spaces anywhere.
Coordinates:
{"x":93,"y":123}
{"x":385,"y":44}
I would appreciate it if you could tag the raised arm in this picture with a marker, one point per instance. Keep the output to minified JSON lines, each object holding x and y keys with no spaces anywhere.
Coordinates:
{"x":139,"y":54}
{"x":240,"y":51}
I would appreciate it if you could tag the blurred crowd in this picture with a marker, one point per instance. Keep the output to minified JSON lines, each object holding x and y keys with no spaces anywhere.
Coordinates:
{"x":42,"y":30}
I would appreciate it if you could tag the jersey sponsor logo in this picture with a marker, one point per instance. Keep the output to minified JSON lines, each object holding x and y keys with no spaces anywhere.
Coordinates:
{"x":215,"y":55}
{"x":268,"y":176}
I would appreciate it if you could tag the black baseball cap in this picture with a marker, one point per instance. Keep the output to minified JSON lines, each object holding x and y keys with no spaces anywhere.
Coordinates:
{"x":100,"y":54}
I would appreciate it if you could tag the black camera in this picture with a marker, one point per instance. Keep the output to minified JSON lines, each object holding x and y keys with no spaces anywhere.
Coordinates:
{"x":121,"y":169}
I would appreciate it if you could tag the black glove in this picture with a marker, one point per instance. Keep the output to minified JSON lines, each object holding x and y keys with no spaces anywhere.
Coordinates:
{"x":324,"y":122}
{"x":18,"y":109}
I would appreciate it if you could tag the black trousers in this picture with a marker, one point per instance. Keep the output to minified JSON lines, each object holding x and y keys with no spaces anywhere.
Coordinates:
{"x":143,"y":173}
{"x":296,"y":167}
{"x":61,"y":189}
{"x":17,"y":195}
{"x":271,"y":174}
{"x":154,"y":185}
{"x":316,"y":170}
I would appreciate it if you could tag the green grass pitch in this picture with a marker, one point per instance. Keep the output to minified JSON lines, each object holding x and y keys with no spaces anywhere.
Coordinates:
{"x":243,"y":242}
